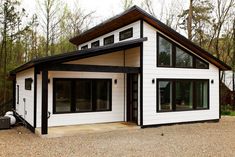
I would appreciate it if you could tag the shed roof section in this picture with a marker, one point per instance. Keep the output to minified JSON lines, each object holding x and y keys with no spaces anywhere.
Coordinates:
{"x":65,"y":57}
{"x":135,"y":13}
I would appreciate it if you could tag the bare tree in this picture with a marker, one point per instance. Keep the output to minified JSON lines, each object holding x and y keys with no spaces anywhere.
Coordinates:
{"x":126,"y":4}
{"x":50,"y":18}
{"x":223,"y":12}
{"x":148,"y":5}
{"x":76,"y":21}
{"x":189,"y":20}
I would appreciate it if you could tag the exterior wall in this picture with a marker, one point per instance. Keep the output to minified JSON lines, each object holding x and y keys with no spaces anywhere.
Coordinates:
{"x":136,"y":35}
{"x":151,"y":71}
{"x":118,"y":112}
{"x":25,"y":108}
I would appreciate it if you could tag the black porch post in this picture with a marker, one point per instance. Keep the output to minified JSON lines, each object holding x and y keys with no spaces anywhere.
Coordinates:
{"x":44,"y":122}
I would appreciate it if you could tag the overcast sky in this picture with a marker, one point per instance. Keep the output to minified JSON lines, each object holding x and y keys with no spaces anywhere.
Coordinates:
{"x":103,"y":8}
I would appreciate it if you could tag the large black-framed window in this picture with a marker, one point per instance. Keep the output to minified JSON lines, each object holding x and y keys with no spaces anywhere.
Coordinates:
{"x":128,"y":33}
{"x":182,"y":94}
{"x":170,"y":54}
{"x":109,"y":40}
{"x":81,"y":95}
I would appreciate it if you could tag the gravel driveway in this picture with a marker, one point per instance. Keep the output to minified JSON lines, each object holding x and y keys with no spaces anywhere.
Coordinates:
{"x":200,"y":139}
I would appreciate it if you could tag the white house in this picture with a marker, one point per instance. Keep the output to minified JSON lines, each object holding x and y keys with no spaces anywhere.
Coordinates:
{"x":131,"y":67}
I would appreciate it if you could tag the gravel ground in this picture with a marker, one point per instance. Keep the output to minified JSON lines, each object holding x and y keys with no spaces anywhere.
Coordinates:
{"x":200,"y":139}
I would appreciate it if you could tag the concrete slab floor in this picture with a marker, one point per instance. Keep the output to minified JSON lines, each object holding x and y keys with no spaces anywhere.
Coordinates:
{"x":71,"y":130}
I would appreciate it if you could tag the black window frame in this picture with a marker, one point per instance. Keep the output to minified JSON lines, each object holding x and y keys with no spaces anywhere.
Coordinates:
{"x":173,"y":94}
{"x":28,"y":83}
{"x":106,"y":38}
{"x":125,"y":31}
{"x":93,"y":44}
{"x":73,"y":90}
{"x":174,"y":46}
{"x":84,"y":47}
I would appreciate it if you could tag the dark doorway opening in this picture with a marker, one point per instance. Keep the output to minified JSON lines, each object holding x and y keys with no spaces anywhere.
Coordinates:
{"x":132,"y":98}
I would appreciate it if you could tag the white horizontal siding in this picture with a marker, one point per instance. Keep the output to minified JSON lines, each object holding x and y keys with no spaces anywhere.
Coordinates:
{"x":136,"y":35}
{"x":117,"y":113}
{"x":131,"y":57}
{"x":151,"y":71}
{"x":25,"y":109}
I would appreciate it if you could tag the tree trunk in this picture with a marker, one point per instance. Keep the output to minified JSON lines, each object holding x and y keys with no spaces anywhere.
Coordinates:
{"x":189,"y":20}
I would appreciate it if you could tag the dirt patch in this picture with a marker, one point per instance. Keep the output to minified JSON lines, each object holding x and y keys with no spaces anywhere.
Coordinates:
{"x":200,"y":139}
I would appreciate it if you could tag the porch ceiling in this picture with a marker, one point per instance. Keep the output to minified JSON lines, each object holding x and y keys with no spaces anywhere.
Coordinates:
{"x":80,"y":54}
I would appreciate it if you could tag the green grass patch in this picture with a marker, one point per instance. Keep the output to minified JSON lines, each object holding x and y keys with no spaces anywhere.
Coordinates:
{"x":228,"y":113}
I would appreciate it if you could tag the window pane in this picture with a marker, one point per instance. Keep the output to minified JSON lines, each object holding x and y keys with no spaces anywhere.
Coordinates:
{"x":83,"y":95}
{"x":95,"y":44}
{"x":183,"y":59}
{"x":126,"y":34}
{"x":84,"y":47}
{"x":102,"y":94}
{"x":109,"y":40}
{"x":28,"y":83}
{"x":201,"y":89}
{"x":165,"y":96}
{"x":201,"y":65}
{"x":184,"y":95}
{"x":63,"y":96}
{"x":164,"y":52}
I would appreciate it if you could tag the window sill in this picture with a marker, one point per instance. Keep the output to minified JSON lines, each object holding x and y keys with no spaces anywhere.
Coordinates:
{"x":81,"y":112}
{"x":204,"y":109}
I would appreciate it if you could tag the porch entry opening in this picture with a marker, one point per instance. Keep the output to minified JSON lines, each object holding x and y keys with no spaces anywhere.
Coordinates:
{"x":132,"y":98}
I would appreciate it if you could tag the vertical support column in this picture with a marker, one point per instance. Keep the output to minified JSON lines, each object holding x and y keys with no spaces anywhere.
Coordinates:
{"x":141,"y":85}
{"x":35,"y":97}
{"x":220,"y":103}
{"x":44,"y":121}
{"x":141,"y":73}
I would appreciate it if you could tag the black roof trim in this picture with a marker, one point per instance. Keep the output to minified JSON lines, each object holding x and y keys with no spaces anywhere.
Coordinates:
{"x":104,"y":22}
{"x":79,"y":54}
{"x":143,"y":15}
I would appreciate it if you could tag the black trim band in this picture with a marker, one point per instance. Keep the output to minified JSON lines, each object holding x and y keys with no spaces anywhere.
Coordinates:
{"x":189,"y":122}
{"x":29,"y":126}
{"x":141,"y":75}
{"x":93,"y":68}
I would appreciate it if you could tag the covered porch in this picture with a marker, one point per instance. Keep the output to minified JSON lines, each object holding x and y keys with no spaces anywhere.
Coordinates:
{"x":121,"y":64}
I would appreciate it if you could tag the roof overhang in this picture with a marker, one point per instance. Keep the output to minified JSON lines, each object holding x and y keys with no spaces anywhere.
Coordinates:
{"x":134,"y":14}
{"x":80,"y":54}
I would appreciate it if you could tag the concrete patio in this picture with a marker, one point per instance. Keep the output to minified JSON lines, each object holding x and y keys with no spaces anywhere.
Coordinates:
{"x":71,"y":130}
